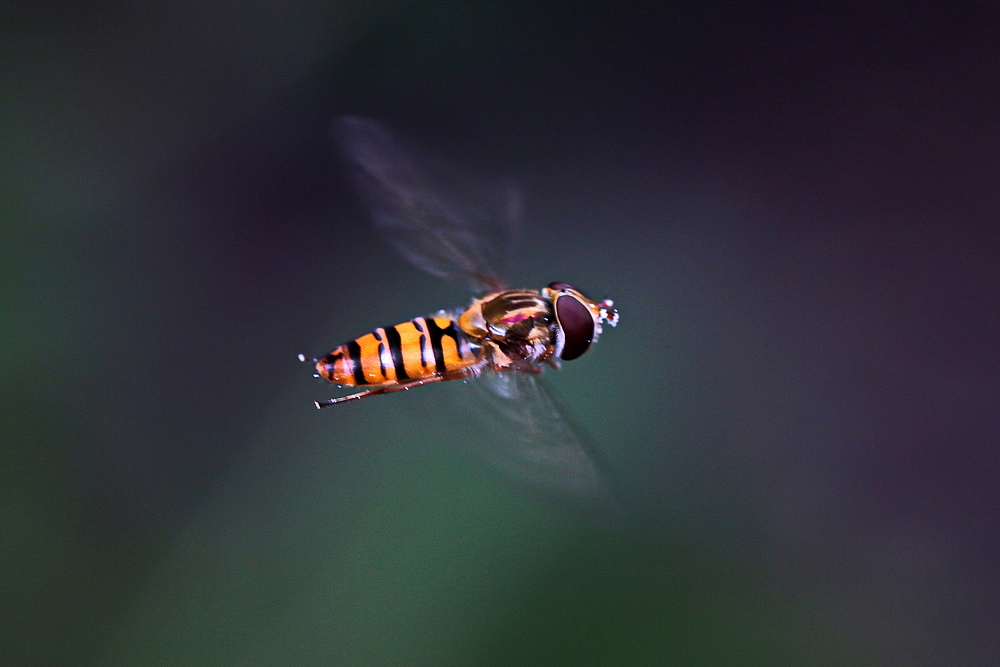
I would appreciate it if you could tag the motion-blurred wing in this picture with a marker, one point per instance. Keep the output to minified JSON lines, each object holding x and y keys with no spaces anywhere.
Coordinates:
{"x":438,"y":218}
{"x":527,"y":435}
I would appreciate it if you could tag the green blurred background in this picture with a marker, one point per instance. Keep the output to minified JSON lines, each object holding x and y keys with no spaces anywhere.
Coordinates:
{"x":795,"y":209}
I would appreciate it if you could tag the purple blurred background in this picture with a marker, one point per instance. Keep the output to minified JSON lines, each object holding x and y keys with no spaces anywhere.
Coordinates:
{"x":795,"y":209}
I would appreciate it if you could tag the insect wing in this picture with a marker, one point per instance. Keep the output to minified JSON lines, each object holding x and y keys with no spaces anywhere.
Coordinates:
{"x":528,"y":436}
{"x":439,"y":219}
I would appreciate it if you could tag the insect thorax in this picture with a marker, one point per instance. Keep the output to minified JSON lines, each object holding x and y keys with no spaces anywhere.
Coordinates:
{"x":515,"y":324}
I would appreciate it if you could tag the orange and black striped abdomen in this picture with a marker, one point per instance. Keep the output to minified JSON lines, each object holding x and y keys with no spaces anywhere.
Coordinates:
{"x":414,"y":350}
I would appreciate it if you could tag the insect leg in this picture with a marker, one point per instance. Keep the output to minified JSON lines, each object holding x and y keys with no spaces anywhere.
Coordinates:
{"x":389,"y":390}
{"x":458,"y":374}
{"x":380,"y":390}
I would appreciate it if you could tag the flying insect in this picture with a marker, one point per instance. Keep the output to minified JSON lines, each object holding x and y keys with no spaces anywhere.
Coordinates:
{"x":457,"y":228}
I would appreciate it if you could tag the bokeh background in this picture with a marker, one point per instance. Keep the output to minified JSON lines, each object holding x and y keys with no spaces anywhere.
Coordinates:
{"x":795,"y":207}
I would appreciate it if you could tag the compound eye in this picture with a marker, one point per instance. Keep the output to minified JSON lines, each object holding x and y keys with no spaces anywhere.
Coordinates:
{"x":577,"y":324}
{"x":560,"y":286}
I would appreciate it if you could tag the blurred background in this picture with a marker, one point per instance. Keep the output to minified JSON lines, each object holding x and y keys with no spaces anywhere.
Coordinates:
{"x":794,"y":207}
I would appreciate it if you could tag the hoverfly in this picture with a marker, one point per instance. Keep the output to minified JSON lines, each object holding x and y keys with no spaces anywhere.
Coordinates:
{"x":454,"y":228}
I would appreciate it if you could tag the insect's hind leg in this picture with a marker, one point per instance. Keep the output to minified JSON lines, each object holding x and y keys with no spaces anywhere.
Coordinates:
{"x":382,"y":390}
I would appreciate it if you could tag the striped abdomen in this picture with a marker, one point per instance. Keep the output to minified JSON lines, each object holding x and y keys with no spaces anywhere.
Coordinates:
{"x":421,"y":348}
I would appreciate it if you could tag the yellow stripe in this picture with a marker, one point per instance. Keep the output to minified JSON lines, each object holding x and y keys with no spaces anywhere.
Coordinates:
{"x":409,"y":343}
{"x":452,"y":359}
{"x":342,"y":373}
{"x":371,"y":361}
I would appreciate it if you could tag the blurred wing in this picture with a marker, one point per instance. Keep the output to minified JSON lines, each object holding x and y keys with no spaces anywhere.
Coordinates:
{"x":438,"y":218}
{"x":527,"y":435}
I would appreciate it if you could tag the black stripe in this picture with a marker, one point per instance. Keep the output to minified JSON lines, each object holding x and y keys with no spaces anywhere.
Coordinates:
{"x":396,"y":349}
{"x":418,"y":323}
{"x":330,"y":361}
{"x":523,"y":302}
{"x":354,"y":355}
{"x":333,"y":356}
{"x":437,"y":334}
{"x":381,"y":346}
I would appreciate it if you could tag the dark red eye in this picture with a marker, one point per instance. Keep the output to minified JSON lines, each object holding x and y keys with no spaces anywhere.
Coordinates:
{"x":577,"y":324}
{"x":560,"y":286}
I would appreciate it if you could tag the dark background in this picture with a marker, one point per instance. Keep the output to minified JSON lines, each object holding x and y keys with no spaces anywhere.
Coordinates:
{"x":795,"y":208}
